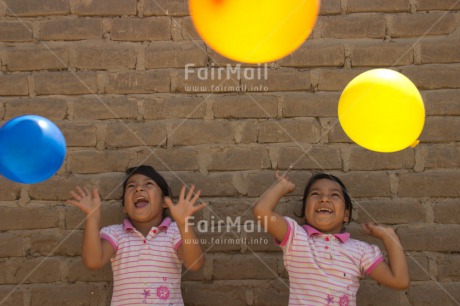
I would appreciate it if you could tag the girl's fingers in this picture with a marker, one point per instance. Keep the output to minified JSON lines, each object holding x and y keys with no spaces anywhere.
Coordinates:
{"x":196,"y":196}
{"x":96,"y":193}
{"x":182,"y":193}
{"x":73,"y":203}
{"x":75,"y":195}
{"x":169,"y":203}
{"x":199,"y":207}
{"x":190,"y":192}
{"x":81,"y":192}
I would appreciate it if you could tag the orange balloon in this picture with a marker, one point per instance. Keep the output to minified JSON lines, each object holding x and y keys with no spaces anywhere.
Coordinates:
{"x":254,"y":31}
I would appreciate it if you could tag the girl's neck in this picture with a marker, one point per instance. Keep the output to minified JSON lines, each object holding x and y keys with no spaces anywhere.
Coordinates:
{"x":145,"y":227}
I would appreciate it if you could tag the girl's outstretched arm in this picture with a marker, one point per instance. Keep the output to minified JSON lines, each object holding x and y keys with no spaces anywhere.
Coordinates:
{"x":395,"y":274}
{"x":190,"y":251}
{"x":96,"y":252}
{"x":264,"y":209}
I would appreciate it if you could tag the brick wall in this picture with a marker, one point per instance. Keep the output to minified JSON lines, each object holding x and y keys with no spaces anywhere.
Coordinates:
{"x":111,"y":74}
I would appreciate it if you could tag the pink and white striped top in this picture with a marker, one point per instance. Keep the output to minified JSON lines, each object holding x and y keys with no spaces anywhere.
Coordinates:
{"x":324,"y":269}
{"x":146,"y":270}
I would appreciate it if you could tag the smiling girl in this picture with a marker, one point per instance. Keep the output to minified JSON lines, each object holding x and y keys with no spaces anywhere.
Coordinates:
{"x":146,"y":251}
{"x":323,"y":262}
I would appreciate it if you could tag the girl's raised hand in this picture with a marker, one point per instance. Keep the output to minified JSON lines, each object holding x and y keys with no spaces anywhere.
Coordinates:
{"x":377,"y":231}
{"x":88,"y":202}
{"x":185,"y":207}
{"x":284,"y":180}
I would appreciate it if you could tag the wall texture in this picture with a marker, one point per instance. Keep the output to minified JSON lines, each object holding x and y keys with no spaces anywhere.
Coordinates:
{"x":112,"y":75}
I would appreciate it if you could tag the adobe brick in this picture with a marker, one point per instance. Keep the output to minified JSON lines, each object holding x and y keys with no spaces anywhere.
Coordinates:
{"x":26,"y":8}
{"x":77,"y":272}
{"x":112,"y":212}
{"x":234,"y":208}
{"x":56,"y":189}
{"x":421,"y":24}
{"x":177,"y":158}
{"x":245,"y":106}
{"x":16,"y":31}
{"x":279,"y":80}
{"x":104,"y":107}
{"x":441,"y":102}
{"x":250,"y":267}
{"x":93,"y":161}
{"x":183,"y":29}
{"x":110,"y":184}
{"x":439,"y":51}
{"x":13,"y":218}
{"x":12,"y":245}
{"x":45,"y":270}
{"x":56,"y":243}
{"x":138,"y":82}
{"x":332,"y":127}
{"x":366,"y":184}
{"x":78,"y":135}
{"x":434,"y":293}
{"x":51,"y":108}
{"x":397,"y":211}
{"x":212,"y":184}
{"x":9,"y":191}
{"x":70,"y":29}
{"x":448,"y":267}
{"x":362,"y":159}
{"x":259,"y":182}
{"x":65,"y":83}
{"x":105,"y":8}
{"x":57,"y":294}
{"x":195,"y":132}
{"x":246,"y":132}
{"x":316,"y":157}
{"x":196,"y":81}
{"x":165,"y":8}
{"x":35,"y":58}
{"x":145,"y":29}
{"x":359,"y":6}
{"x":121,"y":135}
{"x":337,"y":79}
{"x":439,"y":156}
{"x":105,"y":56}
{"x":446,"y":212}
{"x":238,"y":158}
{"x":260,"y":242}
{"x":352,"y":26}
{"x":434,"y":76}
{"x":168,"y":54}
{"x":332,"y":7}
{"x":430,"y":237}
{"x":441,"y":129}
{"x":12,"y":295}
{"x":290,"y":130}
{"x":201,"y":293}
{"x":319,"y":104}
{"x":174,"y":107}
{"x":428,"y":184}
{"x":418,"y":267}
{"x":381,"y":54}
{"x":316,"y":54}
{"x":370,"y":293}
{"x":14,"y":85}
{"x":428,"y":5}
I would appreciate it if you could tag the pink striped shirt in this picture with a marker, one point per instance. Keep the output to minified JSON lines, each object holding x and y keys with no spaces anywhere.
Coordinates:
{"x":146,"y":270}
{"x":324,"y":269}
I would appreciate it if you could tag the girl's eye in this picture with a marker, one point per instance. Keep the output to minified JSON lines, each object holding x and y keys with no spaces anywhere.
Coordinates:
{"x":130,"y":186}
{"x":314,"y":193}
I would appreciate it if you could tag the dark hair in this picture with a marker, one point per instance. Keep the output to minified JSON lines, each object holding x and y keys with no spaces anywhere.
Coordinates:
{"x":320,"y":176}
{"x":151,"y":173}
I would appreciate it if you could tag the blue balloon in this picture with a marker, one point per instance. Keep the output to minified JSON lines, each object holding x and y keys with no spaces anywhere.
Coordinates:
{"x":32,"y":149}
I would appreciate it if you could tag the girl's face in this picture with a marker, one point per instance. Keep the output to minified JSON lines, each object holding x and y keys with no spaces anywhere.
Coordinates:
{"x":143,"y":199}
{"x":325,"y":209}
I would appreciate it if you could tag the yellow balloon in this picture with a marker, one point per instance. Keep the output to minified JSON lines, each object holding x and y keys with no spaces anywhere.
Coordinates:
{"x":254,"y":31}
{"x":382,"y":110}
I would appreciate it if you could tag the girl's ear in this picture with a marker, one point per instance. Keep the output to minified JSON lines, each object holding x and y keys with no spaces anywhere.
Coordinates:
{"x":347,"y":216}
